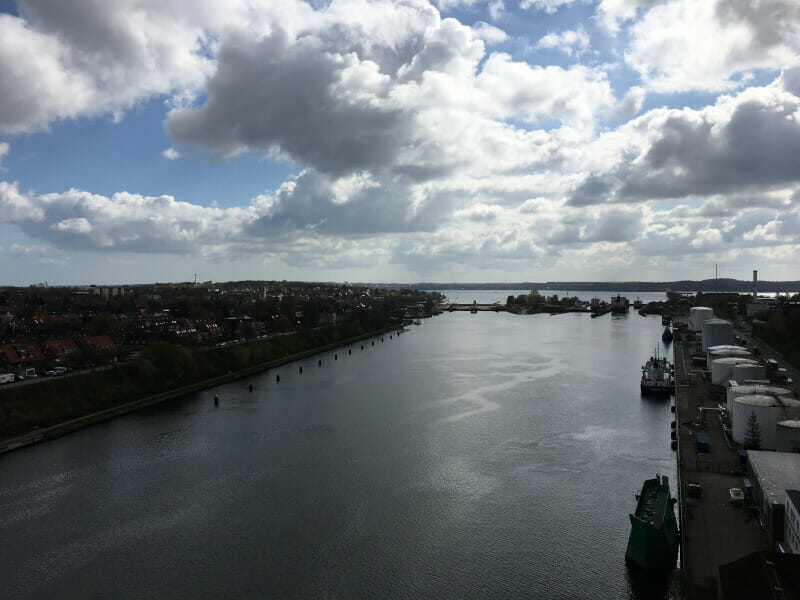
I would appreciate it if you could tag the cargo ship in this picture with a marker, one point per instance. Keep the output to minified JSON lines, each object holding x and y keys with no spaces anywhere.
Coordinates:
{"x":619,"y":305}
{"x":654,"y":539}
{"x":657,"y":376}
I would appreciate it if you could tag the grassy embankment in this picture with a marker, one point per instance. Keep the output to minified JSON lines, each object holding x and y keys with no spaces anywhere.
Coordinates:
{"x":162,"y":368}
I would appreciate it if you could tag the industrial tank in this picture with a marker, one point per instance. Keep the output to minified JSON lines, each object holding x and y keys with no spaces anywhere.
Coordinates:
{"x":722,"y":368}
{"x":768,"y":410}
{"x":735,"y":390}
{"x":787,"y":436}
{"x":724,"y":351}
{"x":717,"y":332}
{"x":745,"y":372}
{"x":699,"y":315}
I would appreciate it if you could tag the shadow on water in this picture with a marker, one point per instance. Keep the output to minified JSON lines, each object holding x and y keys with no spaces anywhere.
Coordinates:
{"x":645,"y":585}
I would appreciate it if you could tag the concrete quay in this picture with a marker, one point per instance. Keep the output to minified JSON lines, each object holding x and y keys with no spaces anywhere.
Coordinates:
{"x":713,"y":530}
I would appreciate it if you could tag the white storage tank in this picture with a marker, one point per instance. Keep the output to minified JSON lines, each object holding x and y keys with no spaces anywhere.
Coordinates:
{"x":722,"y":368}
{"x":769,"y":412}
{"x":742,"y":373}
{"x":735,"y":390}
{"x":787,"y":436}
{"x":724,"y":351}
{"x":699,"y":315}
{"x":717,"y":332}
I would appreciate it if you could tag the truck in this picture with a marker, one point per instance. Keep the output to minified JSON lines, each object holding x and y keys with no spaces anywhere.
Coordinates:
{"x":6,"y":377}
{"x":30,"y":373}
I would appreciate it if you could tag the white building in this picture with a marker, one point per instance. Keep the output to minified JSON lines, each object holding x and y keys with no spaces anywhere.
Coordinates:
{"x":791,"y":531}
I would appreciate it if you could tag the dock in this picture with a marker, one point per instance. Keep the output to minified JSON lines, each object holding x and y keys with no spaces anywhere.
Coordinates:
{"x":713,"y":530}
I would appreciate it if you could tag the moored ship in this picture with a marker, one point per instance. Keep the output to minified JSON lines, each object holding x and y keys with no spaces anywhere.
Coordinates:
{"x":619,"y":305}
{"x":657,"y":376}
{"x":654,"y":539}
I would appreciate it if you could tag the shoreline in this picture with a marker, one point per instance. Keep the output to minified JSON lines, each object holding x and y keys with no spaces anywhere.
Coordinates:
{"x":61,"y":429}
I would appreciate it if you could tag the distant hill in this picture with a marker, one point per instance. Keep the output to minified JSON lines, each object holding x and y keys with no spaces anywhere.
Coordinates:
{"x":686,"y":285}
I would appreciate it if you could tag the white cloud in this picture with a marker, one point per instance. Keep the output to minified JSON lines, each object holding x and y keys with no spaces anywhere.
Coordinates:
{"x":4,"y":148}
{"x":496,"y":9}
{"x":713,"y":45}
{"x":171,"y":154}
{"x":548,"y":6}
{"x":409,"y":101}
{"x":610,"y":13}
{"x":570,"y":41}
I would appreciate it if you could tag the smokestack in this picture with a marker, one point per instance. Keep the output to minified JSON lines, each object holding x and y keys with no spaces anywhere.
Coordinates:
{"x":755,"y":285}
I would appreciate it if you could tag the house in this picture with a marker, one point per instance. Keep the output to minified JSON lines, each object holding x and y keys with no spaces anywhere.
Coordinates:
{"x":100,"y":344}
{"x":8,"y":355}
{"x":62,"y":348}
{"x":28,"y":351}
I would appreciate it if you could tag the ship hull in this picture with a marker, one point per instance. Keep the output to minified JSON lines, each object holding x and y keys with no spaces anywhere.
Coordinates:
{"x":654,"y":538}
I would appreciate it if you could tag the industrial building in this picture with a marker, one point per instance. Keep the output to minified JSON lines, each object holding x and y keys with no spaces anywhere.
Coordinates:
{"x":771,"y":474}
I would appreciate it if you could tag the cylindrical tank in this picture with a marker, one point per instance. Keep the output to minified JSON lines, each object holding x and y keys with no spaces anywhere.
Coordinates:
{"x":722,"y":368}
{"x":715,"y":352}
{"x":699,"y":315}
{"x":743,"y":373}
{"x":717,"y":332}
{"x":787,"y":436}
{"x":768,"y":411}
{"x":736,"y":390}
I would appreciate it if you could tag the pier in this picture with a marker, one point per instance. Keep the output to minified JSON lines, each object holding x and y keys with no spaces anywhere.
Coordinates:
{"x":713,"y":530}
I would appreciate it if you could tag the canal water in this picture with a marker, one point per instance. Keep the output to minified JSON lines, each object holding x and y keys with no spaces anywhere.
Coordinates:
{"x":473,"y":456}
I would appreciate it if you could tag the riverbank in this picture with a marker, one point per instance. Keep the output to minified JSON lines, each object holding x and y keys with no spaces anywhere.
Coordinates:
{"x":51,"y":426}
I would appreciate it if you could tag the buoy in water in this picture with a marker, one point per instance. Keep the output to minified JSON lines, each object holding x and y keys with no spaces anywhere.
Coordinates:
{"x":672,"y":425}
{"x":373,"y":343}
{"x":673,"y":435}
{"x":216,"y":400}
{"x":277,"y":378}
{"x":335,"y":357}
{"x":674,"y":445}
{"x":350,"y":351}
{"x":672,"y":408}
{"x":319,"y":362}
{"x":301,"y":369}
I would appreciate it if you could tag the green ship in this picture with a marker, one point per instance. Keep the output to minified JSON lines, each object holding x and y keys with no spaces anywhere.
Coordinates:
{"x":653,"y":543}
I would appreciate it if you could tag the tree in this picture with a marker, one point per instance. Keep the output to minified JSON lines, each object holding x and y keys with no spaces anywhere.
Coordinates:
{"x":752,"y":433}
{"x":510,"y":301}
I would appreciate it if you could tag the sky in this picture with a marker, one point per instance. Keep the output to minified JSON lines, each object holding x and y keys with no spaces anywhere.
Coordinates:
{"x":404,"y":141}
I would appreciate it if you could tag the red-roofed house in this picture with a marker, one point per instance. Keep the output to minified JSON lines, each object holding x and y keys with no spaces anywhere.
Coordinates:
{"x":28,"y":351}
{"x":8,"y":355}
{"x":62,"y":348}
{"x":100,"y":344}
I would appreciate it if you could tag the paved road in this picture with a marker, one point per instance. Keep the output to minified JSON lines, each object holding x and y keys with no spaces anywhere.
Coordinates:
{"x":714,"y":532}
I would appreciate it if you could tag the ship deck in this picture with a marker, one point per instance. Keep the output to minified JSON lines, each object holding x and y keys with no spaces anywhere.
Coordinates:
{"x":653,"y":503}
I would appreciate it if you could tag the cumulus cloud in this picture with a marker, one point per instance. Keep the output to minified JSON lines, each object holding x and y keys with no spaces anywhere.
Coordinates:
{"x":746,"y":141}
{"x":570,"y":41}
{"x":715,"y":45}
{"x":548,"y":6}
{"x":171,"y":154}
{"x":383,"y":100}
{"x":611,"y":13}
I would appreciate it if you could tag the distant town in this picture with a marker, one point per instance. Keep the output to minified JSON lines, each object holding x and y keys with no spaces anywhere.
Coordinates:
{"x":49,"y":331}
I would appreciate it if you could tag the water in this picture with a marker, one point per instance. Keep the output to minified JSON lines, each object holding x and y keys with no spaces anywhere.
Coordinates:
{"x":475,"y":456}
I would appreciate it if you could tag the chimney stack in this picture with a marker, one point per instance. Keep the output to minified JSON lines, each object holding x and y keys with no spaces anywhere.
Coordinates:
{"x":755,"y":285}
